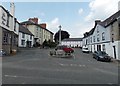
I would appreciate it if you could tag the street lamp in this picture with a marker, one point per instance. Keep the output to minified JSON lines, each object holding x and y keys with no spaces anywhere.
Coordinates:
{"x":60,"y":34}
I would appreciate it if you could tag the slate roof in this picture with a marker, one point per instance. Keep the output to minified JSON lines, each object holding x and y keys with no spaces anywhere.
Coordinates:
{"x":104,"y":23}
{"x":111,"y":19}
{"x":72,"y":39}
{"x":24,"y":30}
{"x":32,"y":23}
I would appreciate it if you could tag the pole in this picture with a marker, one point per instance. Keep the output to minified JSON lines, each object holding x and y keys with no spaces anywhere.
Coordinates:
{"x":60,"y":35}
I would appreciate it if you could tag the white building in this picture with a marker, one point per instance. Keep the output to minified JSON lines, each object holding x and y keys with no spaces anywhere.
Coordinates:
{"x":26,"y":38}
{"x":9,"y":28}
{"x":105,"y":36}
{"x":72,"y":42}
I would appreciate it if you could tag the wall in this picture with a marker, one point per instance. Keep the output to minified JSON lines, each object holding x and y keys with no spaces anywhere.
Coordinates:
{"x":31,"y":28}
{"x":72,"y":43}
{"x":27,"y":38}
{"x":119,"y":50}
{"x":4,"y":18}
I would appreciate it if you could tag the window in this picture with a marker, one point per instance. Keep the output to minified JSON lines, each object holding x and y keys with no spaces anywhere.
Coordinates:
{"x":112,"y":39}
{"x":14,"y":40}
{"x":7,"y":21}
{"x":94,"y":38}
{"x":5,"y":38}
{"x":3,"y":18}
{"x":14,"y":25}
{"x":94,"y":47}
{"x":97,"y":30}
{"x":103,"y":36}
{"x":22,"y":42}
{"x":30,"y":36}
{"x":86,"y":41}
{"x":23,"y":35}
{"x":98,"y":39}
{"x":103,"y":47}
{"x":91,"y":39}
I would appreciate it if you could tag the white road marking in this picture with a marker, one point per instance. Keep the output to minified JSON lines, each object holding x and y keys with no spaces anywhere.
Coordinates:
{"x":14,"y":76}
{"x":10,"y":76}
{"x":72,"y":65}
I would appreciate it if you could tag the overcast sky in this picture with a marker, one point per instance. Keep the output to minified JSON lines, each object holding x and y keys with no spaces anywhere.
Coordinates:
{"x":74,"y":17}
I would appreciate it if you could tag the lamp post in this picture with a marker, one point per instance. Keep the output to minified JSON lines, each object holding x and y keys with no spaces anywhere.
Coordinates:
{"x":60,"y":34}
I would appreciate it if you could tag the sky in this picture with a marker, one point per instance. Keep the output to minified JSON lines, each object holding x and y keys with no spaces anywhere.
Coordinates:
{"x":75,"y":17}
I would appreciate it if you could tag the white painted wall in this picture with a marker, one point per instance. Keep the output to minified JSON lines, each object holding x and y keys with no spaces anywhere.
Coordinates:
{"x":2,"y":11}
{"x":26,"y":38}
{"x":108,"y":44}
{"x":118,"y":50}
{"x":72,"y":43}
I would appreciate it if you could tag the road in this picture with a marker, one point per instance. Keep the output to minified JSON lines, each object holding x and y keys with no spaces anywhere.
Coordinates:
{"x":35,"y":66}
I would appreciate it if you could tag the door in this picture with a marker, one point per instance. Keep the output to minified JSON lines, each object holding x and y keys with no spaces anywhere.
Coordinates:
{"x":98,"y":47}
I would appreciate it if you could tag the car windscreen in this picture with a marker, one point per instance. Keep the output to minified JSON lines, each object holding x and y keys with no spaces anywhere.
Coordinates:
{"x":85,"y":48}
{"x":102,"y":53}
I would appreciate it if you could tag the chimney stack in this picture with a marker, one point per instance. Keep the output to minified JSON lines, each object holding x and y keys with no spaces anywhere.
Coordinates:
{"x":43,"y":25}
{"x":35,"y":20}
{"x":12,"y":9}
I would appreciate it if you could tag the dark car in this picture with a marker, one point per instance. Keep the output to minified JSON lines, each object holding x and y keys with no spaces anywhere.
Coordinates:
{"x":2,"y":53}
{"x":101,"y":56}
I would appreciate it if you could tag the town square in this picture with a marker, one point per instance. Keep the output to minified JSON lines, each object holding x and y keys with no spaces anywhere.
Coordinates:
{"x":60,"y":42}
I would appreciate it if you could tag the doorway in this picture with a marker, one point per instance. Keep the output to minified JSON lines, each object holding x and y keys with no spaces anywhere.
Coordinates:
{"x":98,"y":47}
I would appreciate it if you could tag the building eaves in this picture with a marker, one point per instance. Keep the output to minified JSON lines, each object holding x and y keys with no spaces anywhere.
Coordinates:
{"x":111,"y":19}
{"x":32,"y":23}
{"x":72,"y":39}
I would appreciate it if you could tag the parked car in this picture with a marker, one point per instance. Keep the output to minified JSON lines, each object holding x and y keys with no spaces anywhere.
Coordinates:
{"x":85,"y":50}
{"x":2,"y":52}
{"x":62,"y":51}
{"x":101,"y":56}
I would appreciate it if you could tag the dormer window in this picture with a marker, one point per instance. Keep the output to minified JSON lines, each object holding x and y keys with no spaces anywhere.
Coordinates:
{"x":97,"y":30}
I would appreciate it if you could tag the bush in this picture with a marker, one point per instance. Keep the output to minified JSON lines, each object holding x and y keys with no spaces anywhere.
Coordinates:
{"x":49,"y":44}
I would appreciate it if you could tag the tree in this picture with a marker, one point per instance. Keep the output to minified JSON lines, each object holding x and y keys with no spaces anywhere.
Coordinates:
{"x":64,"y":34}
{"x":45,"y":43}
{"x":49,"y":44}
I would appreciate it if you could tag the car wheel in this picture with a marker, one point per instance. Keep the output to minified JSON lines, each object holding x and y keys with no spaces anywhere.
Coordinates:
{"x":97,"y":58}
{"x":51,"y":54}
{"x":109,"y":60}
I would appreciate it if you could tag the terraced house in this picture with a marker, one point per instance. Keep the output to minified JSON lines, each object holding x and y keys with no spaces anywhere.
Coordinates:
{"x":105,"y":36}
{"x":25,"y":37}
{"x":38,"y":30}
{"x":9,"y":27}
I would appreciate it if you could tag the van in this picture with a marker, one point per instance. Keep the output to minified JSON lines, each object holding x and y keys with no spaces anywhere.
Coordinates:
{"x":85,"y":50}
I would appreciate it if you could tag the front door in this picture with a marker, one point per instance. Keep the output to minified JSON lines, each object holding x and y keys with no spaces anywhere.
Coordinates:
{"x":98,"y":47}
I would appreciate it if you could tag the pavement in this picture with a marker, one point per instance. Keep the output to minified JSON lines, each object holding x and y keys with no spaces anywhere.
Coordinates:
{"x":36,"y":66}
